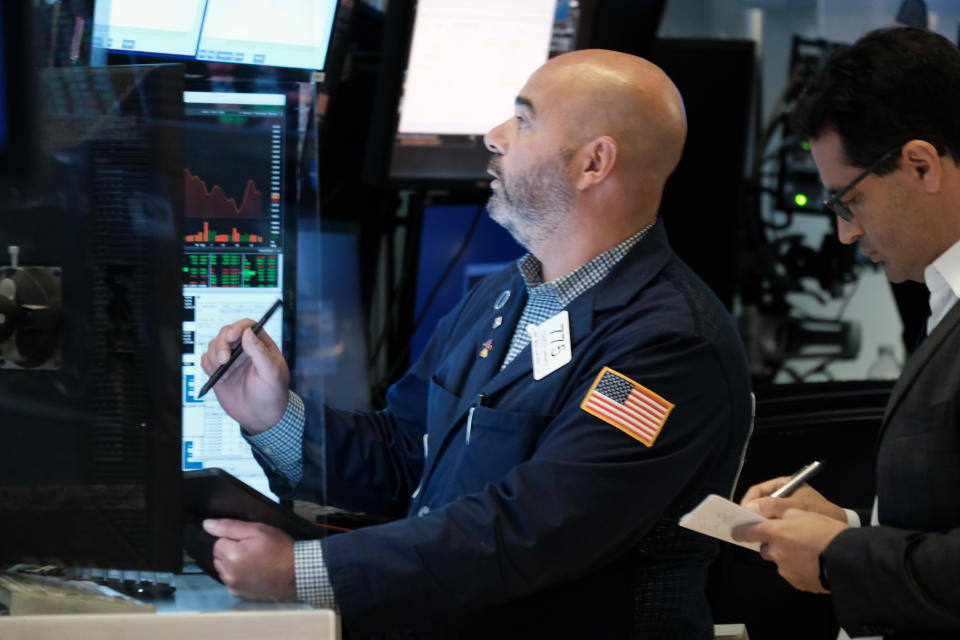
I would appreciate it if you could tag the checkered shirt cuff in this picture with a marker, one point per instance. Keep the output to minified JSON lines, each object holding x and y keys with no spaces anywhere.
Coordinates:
{"x":282,"y":444}
{"x":313,"y":581}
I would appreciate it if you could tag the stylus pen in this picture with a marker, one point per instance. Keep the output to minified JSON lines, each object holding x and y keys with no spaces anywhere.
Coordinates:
{"x":235,"y":353}
{"x":797,"y":479}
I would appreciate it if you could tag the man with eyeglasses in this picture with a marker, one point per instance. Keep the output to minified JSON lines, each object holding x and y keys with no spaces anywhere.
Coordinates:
{"x":884,"y":123}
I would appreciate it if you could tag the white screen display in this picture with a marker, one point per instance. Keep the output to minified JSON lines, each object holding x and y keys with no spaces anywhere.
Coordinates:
{"x":170,"y":27}
{"x":211,"y":438}
{"x":468,"y":60}
{"x":277,"y":33}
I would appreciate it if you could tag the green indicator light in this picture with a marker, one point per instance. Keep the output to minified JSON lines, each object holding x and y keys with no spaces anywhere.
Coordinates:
{"x":800,"y":199}
{"x":805,"y":145}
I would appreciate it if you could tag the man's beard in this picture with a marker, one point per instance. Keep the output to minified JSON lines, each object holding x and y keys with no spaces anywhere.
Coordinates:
{"x":533,"y":205}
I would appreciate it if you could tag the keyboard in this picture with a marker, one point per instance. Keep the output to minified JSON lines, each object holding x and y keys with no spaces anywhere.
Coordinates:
{"x":25,"y":594}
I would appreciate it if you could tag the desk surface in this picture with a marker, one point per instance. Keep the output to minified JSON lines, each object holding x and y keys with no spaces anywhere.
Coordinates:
{"x":198,"y":592}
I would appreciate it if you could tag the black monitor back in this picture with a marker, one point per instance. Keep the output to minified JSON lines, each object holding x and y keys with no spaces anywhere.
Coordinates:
{"x":89,"y":392}
{"x":702,"y":205}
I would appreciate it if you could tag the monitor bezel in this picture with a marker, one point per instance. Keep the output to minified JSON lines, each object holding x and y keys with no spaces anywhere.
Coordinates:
{"x":244,"y":70}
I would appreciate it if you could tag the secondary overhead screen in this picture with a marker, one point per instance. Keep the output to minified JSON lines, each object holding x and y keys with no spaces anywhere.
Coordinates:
{"x":276,"y":33}
{"x":494,"y":46}
{"x":467,"y":62}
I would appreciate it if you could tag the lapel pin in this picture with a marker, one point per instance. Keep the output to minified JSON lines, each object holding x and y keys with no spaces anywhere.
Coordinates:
{"x":502,"y":300}
{"x":497,"y":321}
{"x":487,"y":346}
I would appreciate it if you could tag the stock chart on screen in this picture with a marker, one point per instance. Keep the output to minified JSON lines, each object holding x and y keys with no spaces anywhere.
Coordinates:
{"x":233,"y":252}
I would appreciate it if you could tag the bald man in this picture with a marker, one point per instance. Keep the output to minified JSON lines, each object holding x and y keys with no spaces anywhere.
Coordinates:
{"x":563,"y":417}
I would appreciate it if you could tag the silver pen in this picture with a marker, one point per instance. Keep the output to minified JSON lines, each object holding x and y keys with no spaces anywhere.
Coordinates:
{"x":798,"y":479}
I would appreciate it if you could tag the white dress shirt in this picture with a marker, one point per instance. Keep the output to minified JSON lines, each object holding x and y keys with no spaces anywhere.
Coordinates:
{"x":942,"y":277}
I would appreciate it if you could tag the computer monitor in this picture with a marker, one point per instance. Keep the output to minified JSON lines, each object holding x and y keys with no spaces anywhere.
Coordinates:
{"x":294,"y":34}
{"x":718,"y":82}
{"x":90,"y":327}
{"x":465,"y":64}
{"x":444,"y":230}
{"x":239,"y":179}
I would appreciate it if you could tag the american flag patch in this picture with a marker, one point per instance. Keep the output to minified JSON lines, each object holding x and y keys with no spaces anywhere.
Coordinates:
{"x":630,"y":407}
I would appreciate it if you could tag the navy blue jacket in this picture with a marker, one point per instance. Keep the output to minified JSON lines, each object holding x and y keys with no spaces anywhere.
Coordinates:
{"x":549,"y":521}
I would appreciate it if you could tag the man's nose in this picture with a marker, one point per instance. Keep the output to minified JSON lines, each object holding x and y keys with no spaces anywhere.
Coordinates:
{"x":496,"y":139}
{"x":848,"y":232}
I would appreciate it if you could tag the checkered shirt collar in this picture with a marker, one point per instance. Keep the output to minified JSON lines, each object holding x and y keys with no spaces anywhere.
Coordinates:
{"x":566,"y":288}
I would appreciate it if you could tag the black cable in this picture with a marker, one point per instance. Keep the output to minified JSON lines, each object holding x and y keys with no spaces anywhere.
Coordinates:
{"x":790,"y":371}
{"x":820,"y":368}
{"x":433,"y":293}
{"x":391,"y":309}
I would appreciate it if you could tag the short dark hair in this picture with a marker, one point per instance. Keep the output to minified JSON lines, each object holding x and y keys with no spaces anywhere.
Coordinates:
{"x":891,"y":86}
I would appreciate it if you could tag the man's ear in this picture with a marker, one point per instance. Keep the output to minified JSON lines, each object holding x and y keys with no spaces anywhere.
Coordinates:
{"x":596,"y":160}
{"x":924,"y":163}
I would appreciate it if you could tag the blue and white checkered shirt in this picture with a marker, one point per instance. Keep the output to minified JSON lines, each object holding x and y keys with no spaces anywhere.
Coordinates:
{"x":547,"y":299}
{"x":282,"y":444}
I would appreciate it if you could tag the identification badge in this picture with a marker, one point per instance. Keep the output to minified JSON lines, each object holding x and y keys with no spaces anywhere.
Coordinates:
{"x":550,"y":344}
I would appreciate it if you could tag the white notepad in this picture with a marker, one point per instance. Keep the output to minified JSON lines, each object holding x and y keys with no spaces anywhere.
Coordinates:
{"x":716,"y":516}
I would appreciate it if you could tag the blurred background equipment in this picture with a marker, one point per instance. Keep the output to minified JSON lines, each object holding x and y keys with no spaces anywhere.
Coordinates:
{"x":31,"y":315}
{"x":777,"y":262}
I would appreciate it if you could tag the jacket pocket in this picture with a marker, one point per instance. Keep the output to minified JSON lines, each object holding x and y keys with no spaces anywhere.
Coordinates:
{"x":499,"y":441}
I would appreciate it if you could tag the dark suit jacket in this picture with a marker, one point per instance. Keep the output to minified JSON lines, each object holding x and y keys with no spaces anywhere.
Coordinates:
{"x":902,"y":579}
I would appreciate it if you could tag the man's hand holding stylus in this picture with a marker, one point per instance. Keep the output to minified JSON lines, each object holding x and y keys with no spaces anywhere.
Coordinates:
{"x":254,"y":391}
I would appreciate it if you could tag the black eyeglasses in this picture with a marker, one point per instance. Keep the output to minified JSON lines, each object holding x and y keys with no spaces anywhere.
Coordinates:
{"x":836,"y":206}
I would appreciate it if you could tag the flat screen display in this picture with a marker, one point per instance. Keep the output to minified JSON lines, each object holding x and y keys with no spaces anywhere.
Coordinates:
{"x":275,"y":33}
{"x":467,"y":61}
{"x":234,"y":236}
{"x":444,"y":229}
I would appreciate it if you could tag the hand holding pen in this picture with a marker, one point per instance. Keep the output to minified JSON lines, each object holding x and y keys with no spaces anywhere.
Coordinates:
{"x":798,"y":479}
{"x":773,"y":498}
{"x":236,"y":351}
{"x":799,"y":524}
{"x":248,"y":373}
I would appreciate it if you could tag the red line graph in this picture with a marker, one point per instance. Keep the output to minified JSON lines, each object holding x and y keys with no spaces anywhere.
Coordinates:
{"x":201,"y":202}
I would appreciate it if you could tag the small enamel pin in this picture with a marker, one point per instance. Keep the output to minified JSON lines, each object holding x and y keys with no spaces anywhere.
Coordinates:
{"x":497,"y":321}
{"x":487,"y":346}
{"x":502,"y":300}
